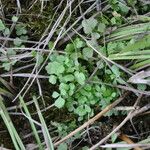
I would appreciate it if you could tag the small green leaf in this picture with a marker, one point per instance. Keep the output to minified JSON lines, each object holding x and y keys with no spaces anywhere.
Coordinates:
{"x":70,"y":48}
{"x":17,"y":41}
{"x":87,"y":52}
{"x":2,"y":26}
{"x":70,"y":106}
{"x":52,"y":79}
{"x":64,"y":86}
{"x":50,"y":45}
{"x":55,"y":94}
{"x":97,"y":87}
{"x":6,"y":32}
{"x":87,"y":108}
{"x":113,"y":21}
{"x":89,"y":25}
{"x":103,"y":88}
{"x":120,"y":80}
{"x":20,"y":29}
{"x":60,"y":58}
{"x":88,"y":87}
{"x":55,"y":68}
{"x":72,"y":88}
{"x":68,"y":78}
{"x":82,"y":99}
{"x":14,"y":19}
{"x":85,"y":148}
{"x":24,"y":31}
{"x":107,"y":71}
{"x":107,"y":93}
{"x":141,"y":87}
{"x":114,"y":137}
{"x":79,"y":43}
{"x":6,"y":66}
{"x":62,"y":146}
{"x":80,"y":118}
{"x":92,"y":102}
{"x":80,"y":77}
{"x":11,"y":52}
{"x":101,"y":27}
{"x":100,"y":64}
{"x":123,"y":7}
{"x":39,"y":59}
{"x":24,"y":37}
{"x":80,"y":110}
{"x":63,"y":92}
{"x":95,"y":36}
{"x":114,"y":94}
{"x":115,"y":70}
{"x":59,"y":103}
{"x":33,"y":53}
{"x":53,"y":57}
{"x":93,"y":43}
{"x":63,"y":89}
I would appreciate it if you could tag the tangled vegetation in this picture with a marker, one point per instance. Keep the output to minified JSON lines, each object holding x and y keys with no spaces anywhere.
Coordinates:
{"x":74,"y":74}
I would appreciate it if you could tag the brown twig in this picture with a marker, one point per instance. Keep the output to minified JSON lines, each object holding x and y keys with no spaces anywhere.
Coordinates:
{"x":125,"y":138}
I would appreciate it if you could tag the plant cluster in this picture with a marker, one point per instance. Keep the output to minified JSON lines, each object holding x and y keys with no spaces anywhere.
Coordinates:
{"x":21,"y":35}
{"x":83,"y":79}
{"x":70,"y":72}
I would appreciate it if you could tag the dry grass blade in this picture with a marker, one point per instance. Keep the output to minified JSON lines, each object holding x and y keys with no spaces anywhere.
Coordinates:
{"x":25,"y":75}
{"x":129,"y":141}
{"x":19,"y":5}
{"x":2,"y":148}
{"x":139,"y":78}
{"x":142,"y":146}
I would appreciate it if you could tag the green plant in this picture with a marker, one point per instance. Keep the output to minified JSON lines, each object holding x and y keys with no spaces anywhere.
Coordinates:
{"x":63,"y":129}
{"x":31,"y":123}
{"x":21,"y":35}
{"x":71,"y":75}
{"x":84,"y":77}
{"x":44,"y":127}
{"x":119,"y":6}
{"x":93,"y":29}
{"x":17,"y":141}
